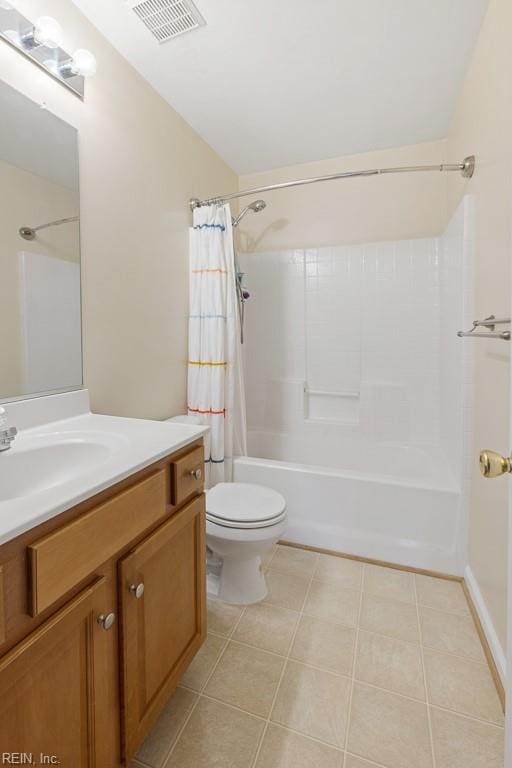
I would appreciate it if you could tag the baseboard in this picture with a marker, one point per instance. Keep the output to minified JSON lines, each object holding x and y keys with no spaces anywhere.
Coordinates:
{"x":488,"y":635}
{"x":372,"y":561}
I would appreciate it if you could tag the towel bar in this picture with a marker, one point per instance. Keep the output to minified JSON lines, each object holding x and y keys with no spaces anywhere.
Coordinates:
{"x":489,"y":322}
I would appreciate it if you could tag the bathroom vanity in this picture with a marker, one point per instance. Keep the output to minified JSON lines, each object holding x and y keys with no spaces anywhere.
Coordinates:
{"x":102,"y":605}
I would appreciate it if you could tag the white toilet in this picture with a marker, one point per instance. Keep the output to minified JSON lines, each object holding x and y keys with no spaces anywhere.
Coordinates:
{"x":243,"y":521}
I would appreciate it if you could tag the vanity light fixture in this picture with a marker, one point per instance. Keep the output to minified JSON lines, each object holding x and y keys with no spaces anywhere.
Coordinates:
{"x":41,"y":42}
{"x":46,"y":31}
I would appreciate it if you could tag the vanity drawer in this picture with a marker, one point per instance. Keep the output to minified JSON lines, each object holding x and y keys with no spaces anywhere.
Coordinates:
{"x":65,"y":557}
{"x":187,"y":475}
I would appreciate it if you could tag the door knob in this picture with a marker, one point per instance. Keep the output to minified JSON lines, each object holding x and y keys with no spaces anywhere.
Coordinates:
{"x":137,"y":590}
{"x":493,"y":464}
{"x":106,"y":620}
{"x":196,"y":474}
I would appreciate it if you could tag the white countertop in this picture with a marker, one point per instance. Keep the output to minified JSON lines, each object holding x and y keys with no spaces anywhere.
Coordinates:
{"x":120,"y":447}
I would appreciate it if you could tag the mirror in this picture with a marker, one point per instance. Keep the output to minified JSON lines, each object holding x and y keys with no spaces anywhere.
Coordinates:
{"x":40,"y":317}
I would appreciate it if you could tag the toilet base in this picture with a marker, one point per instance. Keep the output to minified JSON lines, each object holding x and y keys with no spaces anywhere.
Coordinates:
{"x":234,"y":561}
{"x":240,"y":582}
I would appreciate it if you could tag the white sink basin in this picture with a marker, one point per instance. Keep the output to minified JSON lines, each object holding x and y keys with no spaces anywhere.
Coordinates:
{"x":57,"y":463}
{"x":35,"y":464}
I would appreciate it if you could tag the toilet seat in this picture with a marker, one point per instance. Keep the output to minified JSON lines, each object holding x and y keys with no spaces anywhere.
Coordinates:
{"x":244,"y":505}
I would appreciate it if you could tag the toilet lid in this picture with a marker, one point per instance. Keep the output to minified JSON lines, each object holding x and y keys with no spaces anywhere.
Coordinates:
{"x":244,"y":505}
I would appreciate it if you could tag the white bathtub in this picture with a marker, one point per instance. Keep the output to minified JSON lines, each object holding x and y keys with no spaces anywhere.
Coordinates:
{"x":395,"y":503}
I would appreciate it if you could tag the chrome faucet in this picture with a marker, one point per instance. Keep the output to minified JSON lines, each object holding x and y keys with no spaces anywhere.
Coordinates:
{"x":7,"y":434}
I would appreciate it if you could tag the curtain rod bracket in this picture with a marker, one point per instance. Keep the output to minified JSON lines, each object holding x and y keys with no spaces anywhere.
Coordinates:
{"x":468,"y":167}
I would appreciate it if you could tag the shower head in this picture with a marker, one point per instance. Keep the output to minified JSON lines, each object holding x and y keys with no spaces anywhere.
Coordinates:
{"x":256,"y":206}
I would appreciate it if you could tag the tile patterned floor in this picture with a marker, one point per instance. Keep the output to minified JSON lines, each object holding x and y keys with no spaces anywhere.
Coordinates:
{"x":344,"y":665}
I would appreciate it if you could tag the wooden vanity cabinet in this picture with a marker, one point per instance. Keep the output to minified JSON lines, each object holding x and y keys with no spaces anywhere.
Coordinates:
{"x":162,"y":605}
{"x":85,"y":677}
{"x":55,"y":686}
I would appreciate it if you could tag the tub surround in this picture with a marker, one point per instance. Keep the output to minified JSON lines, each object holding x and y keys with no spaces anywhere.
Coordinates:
{"x":112,"y":449}
{"x":358,"y":410}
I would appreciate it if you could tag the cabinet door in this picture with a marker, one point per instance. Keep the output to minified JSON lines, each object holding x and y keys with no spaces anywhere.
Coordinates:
{"x":163,"y":621}
{"x":56,"y":688}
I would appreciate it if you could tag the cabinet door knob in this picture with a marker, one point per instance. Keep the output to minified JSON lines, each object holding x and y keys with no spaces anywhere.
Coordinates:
{"x":137,"y":590}
{"x":196,"y":473}
{"x":106,"y":620}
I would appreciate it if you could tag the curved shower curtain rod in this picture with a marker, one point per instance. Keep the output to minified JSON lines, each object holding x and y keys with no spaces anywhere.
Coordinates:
{"x":466,"y":168}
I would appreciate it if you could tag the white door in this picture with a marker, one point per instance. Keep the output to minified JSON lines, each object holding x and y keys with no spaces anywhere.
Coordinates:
{"x":493,"y":465}
{"x":508,"y":693}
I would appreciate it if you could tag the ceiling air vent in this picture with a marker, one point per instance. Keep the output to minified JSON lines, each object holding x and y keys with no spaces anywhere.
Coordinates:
{"x":167,"y":19}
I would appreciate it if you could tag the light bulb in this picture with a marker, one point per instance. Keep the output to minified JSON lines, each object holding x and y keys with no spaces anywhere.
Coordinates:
{"x":84,"y":63}
{"x":48,"y":32}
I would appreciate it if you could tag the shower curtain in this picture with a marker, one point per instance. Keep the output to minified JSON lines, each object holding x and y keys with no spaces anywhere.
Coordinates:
{"x":215,"y":378}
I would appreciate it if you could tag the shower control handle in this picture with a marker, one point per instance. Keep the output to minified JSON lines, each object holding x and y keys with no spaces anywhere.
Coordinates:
{"x":196,"y":473}
{"x":493,"y":464}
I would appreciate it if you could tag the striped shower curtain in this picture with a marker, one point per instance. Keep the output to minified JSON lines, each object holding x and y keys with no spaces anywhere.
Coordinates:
{"x":215,"y":383}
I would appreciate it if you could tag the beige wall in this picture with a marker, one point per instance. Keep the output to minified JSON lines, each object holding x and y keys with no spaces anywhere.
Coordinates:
{"x":27,"y":200}
{"x":140,"y":163}
{"x":353,"y":210}
{"x":482,"y":125}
